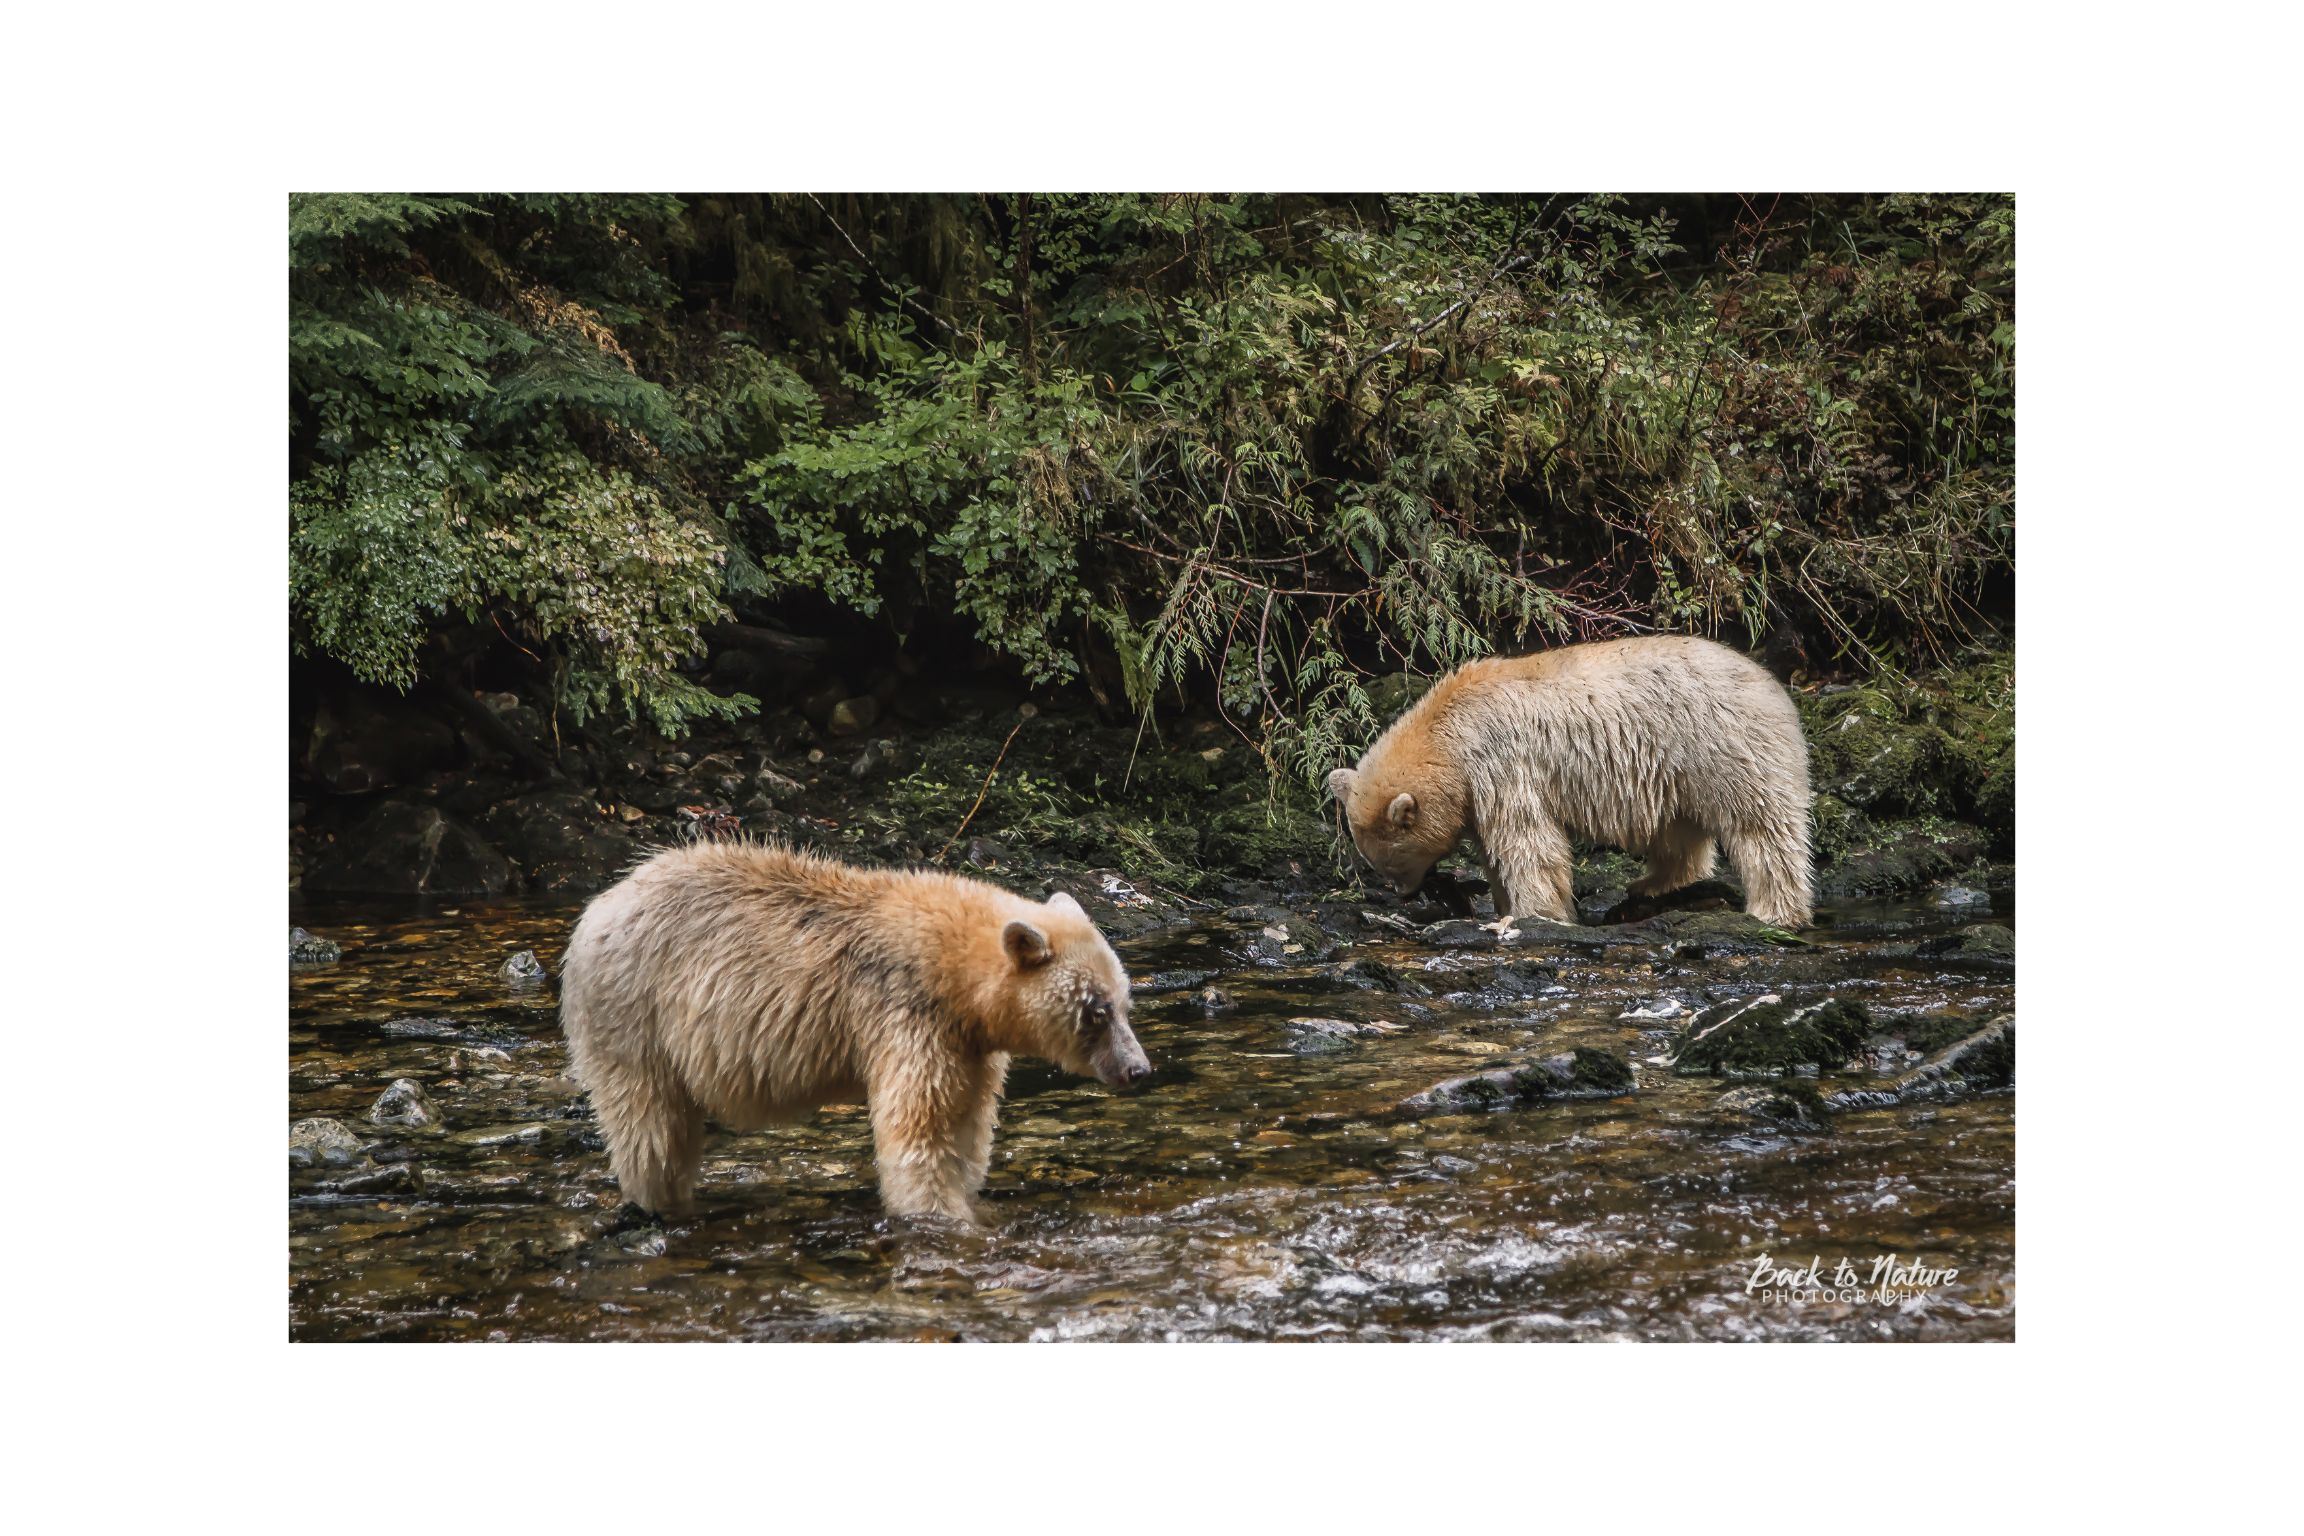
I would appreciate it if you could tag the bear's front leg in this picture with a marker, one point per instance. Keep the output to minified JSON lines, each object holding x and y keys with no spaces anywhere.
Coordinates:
{"x":932,"y":1134}
{"x":1528,"y":864}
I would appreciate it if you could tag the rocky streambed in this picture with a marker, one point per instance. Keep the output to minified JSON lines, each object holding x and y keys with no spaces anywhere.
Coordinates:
{"x":1369,"y":1121}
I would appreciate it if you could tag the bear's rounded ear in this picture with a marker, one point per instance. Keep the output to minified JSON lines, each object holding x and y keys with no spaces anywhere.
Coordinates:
{"x":1062,"y":902}
{"x":1340,"y":784}
{"x":1402,"y":811}
{"x":1025,"y":944}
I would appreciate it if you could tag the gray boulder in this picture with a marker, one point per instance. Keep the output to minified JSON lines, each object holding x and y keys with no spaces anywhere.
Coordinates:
{"x":404,"y":1103}
{"x":326,"y":1142}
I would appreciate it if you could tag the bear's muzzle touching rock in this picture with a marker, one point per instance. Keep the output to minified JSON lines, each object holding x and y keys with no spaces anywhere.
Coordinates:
{"x":751,"y":985}
{"x":1664,"y":745}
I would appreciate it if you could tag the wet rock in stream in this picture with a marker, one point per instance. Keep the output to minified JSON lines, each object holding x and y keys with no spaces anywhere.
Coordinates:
{"x":1980,"y":1062}
{"x":1767,"y":1037}
{"x":404,"y":1103}
{"x":1460,"y":931}
{"x":1329,"y":1037}
{"x":1583,"y":1073}
{"x":392,"y":1178}
{"x":1113,"y":903}
{"x":482,"y":1035}
{"x":1368,"y":975}
{"x":310,"y":949}
{"x":1791,"y":1105}
{"x":1692,"y":934}
{"x":1986,"y":941}
{"x":1285,"y":938}
{"x":522,"y":970}
{"x":1507,"y":983}
{"x":1170,"y":981}
{"x":329,"y":1143}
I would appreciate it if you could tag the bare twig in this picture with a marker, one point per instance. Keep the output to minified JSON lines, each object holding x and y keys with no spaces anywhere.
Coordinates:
{"x":1470,"y":298}
{"x":980,"y":794}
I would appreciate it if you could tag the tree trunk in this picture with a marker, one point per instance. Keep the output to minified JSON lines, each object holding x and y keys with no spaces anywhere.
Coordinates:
{"x":750,"y":637}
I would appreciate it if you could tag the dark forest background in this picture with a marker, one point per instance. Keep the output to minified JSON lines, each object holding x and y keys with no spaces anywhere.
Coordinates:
{"x":1246,"y":453}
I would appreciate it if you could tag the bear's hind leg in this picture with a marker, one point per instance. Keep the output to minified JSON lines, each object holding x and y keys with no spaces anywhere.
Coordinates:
{"x":1679,"y":854}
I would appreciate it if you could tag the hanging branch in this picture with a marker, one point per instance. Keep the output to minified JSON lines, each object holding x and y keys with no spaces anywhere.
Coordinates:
{"x":901,"y":296}
{"x":1277,"y":711}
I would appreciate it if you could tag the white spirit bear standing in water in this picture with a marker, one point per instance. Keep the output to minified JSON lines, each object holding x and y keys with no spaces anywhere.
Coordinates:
{"x":754,"y":984}
{"x":1658,"y":745}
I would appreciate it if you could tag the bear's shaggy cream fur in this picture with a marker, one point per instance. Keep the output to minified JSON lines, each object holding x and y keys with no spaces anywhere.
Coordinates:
{"x":754,"y":984}
{"x":1661,"y":745}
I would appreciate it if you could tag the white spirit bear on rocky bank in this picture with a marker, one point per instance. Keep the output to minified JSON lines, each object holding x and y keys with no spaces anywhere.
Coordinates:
{"x":754,"y":984}
{"x":1660,"y":745}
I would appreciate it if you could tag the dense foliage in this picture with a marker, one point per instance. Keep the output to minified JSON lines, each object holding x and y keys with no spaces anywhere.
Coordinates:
{"x":1258,"y":449}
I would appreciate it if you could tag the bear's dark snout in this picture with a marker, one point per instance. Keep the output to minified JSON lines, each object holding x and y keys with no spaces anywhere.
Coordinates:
{"x":1121,"y":1062}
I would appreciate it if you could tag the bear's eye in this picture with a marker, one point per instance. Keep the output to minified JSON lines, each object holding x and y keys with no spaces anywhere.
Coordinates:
{"x":1094,"y":1015}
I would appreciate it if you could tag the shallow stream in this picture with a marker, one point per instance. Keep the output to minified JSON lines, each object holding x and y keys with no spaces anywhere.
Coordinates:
{"x":1252,"y":1192}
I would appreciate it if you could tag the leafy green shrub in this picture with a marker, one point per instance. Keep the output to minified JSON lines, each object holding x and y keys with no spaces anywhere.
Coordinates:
{"x":1268,"y":450}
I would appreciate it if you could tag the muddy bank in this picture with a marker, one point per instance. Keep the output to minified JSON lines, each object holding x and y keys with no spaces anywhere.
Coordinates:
{"x":1914,"y":788}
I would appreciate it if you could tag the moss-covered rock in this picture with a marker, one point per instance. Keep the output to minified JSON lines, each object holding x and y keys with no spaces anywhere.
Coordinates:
{"x":1834,"y":828}
{"x":1885,"y":769}
{"x":1715,"y":932}
{"x":1936,"y":748}
{"x":1929,"y":1033}
{"x":1993,"y":799}
{"x":1583,"y":1073}
{"x":1900,"y":856}
{"x":1767,"y":1037}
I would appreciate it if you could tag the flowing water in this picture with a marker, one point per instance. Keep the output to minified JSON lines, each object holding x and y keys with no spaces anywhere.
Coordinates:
{"x":1250,"y":1193}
